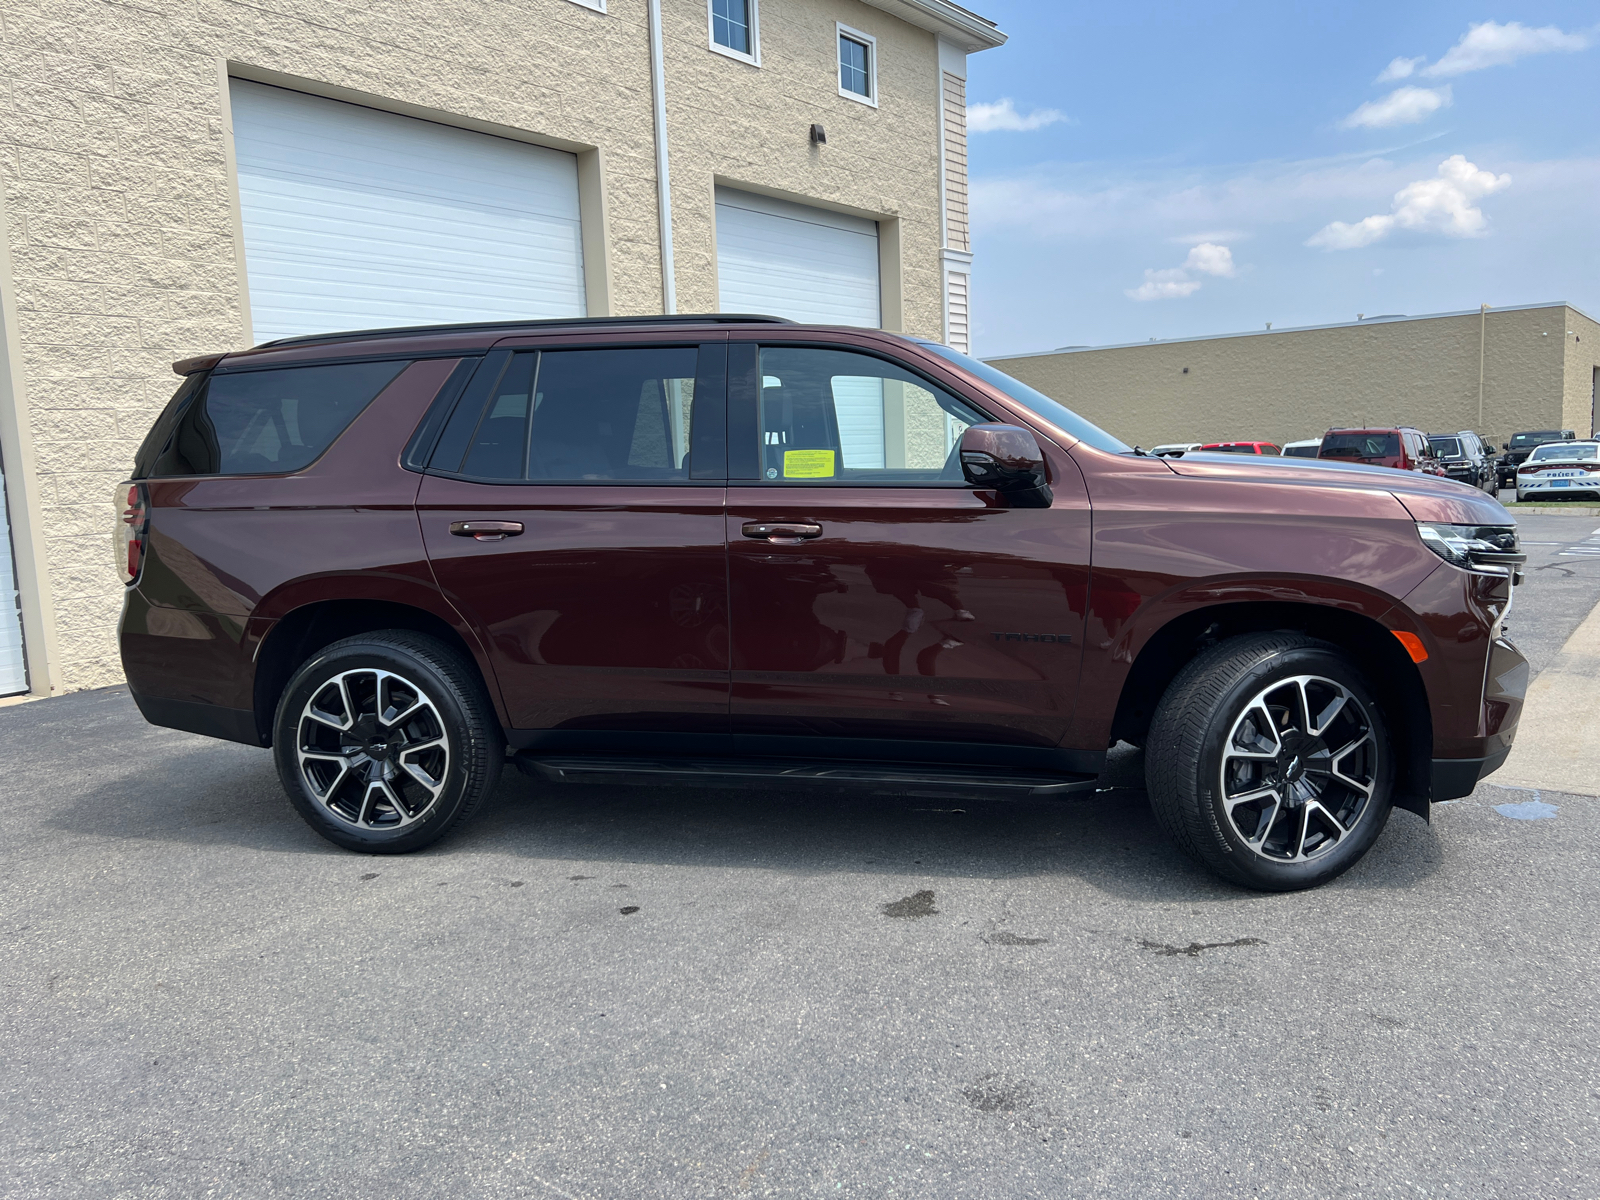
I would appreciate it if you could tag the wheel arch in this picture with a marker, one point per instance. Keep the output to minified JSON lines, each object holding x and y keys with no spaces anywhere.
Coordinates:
{"x":1396,"y":683}
{"x":302,"y":631}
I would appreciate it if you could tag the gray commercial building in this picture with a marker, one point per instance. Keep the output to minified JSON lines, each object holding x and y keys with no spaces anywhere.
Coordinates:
{"x":1528,"y":366}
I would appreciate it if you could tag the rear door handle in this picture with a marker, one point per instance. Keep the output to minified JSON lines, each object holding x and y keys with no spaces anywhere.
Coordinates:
{"x":782,"y":533}
{"x":486,"y":531}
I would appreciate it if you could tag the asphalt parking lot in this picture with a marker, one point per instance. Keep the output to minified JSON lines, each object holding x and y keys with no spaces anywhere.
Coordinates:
{"x":607,"y":992}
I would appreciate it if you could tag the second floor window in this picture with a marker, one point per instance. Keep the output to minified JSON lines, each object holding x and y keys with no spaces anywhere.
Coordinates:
{"x":733,"y":27}
{"x":856,"y":66}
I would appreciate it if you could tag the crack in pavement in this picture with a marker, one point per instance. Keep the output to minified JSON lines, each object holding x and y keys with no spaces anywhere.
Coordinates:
{"x":1194,"y":949}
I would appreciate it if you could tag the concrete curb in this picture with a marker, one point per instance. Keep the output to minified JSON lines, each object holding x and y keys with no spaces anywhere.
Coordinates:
{"x":1562,"y":509}
{"x":1558,"y":738}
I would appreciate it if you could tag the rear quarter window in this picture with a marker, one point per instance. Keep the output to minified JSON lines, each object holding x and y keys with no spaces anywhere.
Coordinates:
{"x":269,"y":422}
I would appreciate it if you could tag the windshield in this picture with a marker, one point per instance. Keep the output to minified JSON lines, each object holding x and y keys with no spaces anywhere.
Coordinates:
{"x":1523,"y":440}
{"x":1446,"y":447}
{"x":1056,"y":413}
{"x":1360,"y":445}
{"x":1566,"y":452}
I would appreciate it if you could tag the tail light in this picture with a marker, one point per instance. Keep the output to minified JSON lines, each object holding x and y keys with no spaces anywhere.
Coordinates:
{"x":133,"y":523}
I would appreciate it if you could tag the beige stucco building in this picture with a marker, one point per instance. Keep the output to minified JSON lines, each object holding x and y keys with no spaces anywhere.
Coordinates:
{"x":190,"y":176}
{"x":1533,"y":366}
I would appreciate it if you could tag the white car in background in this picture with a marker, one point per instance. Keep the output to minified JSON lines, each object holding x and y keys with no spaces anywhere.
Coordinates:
{"x":1560,"y":469}
{"x":1175,"y":448}
{"x":1305,"y":449}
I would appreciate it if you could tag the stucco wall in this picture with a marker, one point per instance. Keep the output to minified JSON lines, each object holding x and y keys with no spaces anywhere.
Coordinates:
{"x":1293,"y":384}
{"x":749,"y":127}
{"x":119,"y":199}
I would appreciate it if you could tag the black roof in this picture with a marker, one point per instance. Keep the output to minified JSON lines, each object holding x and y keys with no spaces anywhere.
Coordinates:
{"x":312,"y":339}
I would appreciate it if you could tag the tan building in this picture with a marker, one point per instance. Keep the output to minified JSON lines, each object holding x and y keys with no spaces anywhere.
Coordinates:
{"x":187,"y":177}
{"x":1532,"y":366}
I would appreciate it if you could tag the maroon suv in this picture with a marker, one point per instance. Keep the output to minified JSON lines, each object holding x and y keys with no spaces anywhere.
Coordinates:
{"x":739,"y":549}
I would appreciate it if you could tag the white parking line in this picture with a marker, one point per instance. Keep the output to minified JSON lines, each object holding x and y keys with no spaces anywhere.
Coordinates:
{"x":1588,"y":548}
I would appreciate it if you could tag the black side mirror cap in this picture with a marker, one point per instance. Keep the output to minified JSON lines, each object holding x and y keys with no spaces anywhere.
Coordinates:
{"x":1007,"y":459}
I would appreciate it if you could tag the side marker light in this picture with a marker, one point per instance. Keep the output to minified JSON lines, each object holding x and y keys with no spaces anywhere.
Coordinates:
{"x":1413,"y":645}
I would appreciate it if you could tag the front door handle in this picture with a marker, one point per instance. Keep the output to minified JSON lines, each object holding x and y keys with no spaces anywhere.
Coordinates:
{"x":782,"y":533}
{"x":486,"y":531}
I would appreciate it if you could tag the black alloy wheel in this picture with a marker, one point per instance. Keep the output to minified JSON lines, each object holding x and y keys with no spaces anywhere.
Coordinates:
{"x":1268,"y":761}
{"x":386,"y":741}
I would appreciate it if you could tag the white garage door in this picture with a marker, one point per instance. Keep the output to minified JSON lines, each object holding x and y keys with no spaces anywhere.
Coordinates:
{"x":355,"y":219}
{"x":807,"y":264}
{"x":13,"y":667}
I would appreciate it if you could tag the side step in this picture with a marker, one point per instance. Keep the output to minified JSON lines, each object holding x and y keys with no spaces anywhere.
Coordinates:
{"x":915,"y":778}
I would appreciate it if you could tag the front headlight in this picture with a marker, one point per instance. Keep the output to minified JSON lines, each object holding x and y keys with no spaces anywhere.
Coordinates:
{"x":1490,"y":549}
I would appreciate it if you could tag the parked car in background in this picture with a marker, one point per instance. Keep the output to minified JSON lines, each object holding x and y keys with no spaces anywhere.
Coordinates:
{"x":1175,"y":449}
{"x":1465,"y":458}
{"x":1400,"y":447}
{"x":1303,"y":449}
{"x":1523,"y":444}
{"x":664,"y":550}
{"x":1242,"y":448}
{"x":1560,"y":469}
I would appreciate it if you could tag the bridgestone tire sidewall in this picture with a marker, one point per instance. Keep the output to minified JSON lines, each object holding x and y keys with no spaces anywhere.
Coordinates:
{"x":476,"y":751}
{"x":1226,"y":852}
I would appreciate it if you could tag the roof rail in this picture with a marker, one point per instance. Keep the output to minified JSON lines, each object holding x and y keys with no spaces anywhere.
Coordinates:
{"x":310,"y":339}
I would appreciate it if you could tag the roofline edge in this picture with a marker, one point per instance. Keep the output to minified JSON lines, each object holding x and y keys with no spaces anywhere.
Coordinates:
{"x":967,"y":29}
{"x":1217,"y":337}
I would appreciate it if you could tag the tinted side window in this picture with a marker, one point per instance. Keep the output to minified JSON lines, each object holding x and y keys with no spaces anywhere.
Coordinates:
{"x":161,"y":432}
{"x":587,"y":415}
{"x":837,"y":416}
{"x":270,"y":422}
{"x":613,"y":414}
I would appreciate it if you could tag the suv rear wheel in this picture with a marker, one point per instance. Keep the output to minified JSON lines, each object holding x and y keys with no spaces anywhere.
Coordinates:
{"x":385,"y":742}
{"x":1268,"y":762}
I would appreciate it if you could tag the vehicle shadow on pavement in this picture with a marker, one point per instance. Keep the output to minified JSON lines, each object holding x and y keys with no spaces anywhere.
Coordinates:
{"x":208,"y":793}
{"x":1109,"y":840}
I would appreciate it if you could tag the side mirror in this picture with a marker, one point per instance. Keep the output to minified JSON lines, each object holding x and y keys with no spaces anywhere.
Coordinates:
{"x":1505,"y":446}
{"x":1006,"y":458}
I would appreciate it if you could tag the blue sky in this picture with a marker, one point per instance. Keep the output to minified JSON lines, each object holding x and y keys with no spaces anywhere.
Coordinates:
{"x":1193,"y":168}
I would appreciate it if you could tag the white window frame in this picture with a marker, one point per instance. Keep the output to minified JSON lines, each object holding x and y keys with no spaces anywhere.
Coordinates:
{"x":754,"y":57}
{"x":841,"y":30}
{"x":598,"y":6}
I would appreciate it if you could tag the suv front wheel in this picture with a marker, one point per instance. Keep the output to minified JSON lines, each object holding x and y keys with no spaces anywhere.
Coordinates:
{"x":1268,"y":761}
{"x":385,"y":742}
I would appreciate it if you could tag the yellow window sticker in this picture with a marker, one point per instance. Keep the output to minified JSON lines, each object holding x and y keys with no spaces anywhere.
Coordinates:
{"x":808,"y":464}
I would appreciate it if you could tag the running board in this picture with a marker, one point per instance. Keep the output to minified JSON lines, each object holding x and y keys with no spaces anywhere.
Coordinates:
{"x":917,"y":778}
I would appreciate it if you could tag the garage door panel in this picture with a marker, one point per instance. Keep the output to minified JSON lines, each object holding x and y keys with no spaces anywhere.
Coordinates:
{"x":807,"y":264}
{"x":355,"y":218}
{"x":792,"y":261}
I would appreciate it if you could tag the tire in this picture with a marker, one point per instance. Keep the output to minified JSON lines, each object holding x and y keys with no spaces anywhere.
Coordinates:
{"x":1324,"y":791}
{"x":340,"y":761}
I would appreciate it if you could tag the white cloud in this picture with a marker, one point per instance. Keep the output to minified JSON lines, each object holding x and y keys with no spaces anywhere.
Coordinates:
{"x":1442,"y":205}
{"x":1398,"y":68}
{"x":1490,"y":44}
{"x":1003,"y":115}
{"x":1211,"y":259}
{"x":1171,"y":284}
{"x":1403,"y":106}
{"x":1174,"y":283}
